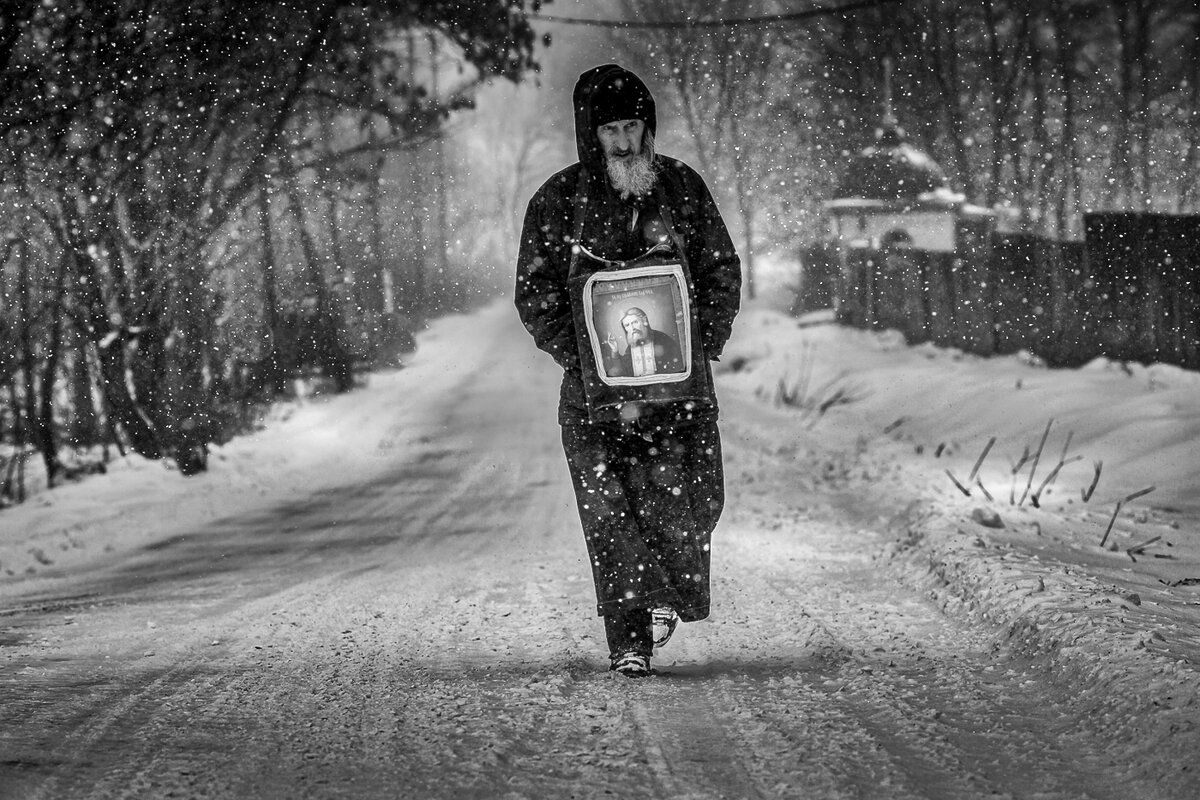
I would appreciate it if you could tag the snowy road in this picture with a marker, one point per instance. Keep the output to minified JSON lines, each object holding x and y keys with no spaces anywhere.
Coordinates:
{"x":427,"y":629}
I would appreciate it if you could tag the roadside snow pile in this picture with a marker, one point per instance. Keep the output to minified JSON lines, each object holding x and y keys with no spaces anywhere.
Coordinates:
{"x":1125,"y":653}
{"x":1120,"y":623}
{"x":303,"y":447}
{"x":1141,"y":422}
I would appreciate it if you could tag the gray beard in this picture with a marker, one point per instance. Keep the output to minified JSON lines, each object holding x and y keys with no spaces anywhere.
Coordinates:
{"x":633,"y":175}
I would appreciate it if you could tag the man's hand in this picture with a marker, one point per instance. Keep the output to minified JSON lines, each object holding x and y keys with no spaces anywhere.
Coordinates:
{"x":611,"y":342}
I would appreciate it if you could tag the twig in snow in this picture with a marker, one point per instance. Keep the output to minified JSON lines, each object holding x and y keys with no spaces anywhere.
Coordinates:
{"x":785,"y":395}
{"x":961,"y":488}
{"x":1127,"y":498}
{"x":983,"y":489}
{"x":1062,"y":462}
{"x":807,"y":359}
{"x":796,"y":395}
{"x":1036,"y":458}
{"x":979,"y":461}
{"x":839,"y":397}
{"x":1012,"y":490}
{"x":1138,"y":493}
{"x":1036,"y":497}
{"x":1086,"y":494}
{"x":1067,"y":446}
{"x":1138,"y":548}
{"x":1021,"y":462}
{"x":812,"y":410}
{"x":1111,"y":520}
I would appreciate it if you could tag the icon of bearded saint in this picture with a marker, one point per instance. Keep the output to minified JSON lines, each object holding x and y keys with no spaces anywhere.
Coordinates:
{"x":650,"y":351}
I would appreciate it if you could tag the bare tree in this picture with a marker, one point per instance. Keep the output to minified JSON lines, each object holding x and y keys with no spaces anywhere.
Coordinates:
{"x":721,"y":86}
{"x":143,"y":132}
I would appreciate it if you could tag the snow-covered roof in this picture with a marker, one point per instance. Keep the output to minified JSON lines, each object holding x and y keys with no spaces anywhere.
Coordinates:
{"x":892,"y":169}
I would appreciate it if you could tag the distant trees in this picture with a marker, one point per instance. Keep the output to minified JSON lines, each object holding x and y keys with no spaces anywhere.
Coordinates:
{"x":191,"y":203}
{"x":1044,"y":108}
{"x":498,"y":166}
{"x":723,"y":88}
{"x":1051,"y":108}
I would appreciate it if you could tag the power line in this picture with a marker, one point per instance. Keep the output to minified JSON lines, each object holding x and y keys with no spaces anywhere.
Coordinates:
{"x":821,"y":11}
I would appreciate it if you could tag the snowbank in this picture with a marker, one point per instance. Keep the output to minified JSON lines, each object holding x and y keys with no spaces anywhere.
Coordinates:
{"x":303,"y":447}
{"x":1119,"y":623}
{"x":1130,"y":655}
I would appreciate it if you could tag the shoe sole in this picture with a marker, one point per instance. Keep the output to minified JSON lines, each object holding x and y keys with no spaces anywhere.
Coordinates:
{"x":637,"y":673}
{"x":633,"y":668}
{"x":670,"y":626}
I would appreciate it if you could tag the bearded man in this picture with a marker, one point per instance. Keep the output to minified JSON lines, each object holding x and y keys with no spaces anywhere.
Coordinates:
{"x":648,"y":484}
{"x":649,"y":352}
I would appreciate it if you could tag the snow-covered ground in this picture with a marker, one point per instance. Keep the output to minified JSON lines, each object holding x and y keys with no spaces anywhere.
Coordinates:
{"x":837,"y":406}
{"x":1122,"y":621}
{"x":938,"y":407}
{"x":304,"y":447}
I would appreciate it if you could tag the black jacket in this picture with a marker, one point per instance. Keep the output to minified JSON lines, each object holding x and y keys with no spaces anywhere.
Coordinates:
{"x":543,"y":261}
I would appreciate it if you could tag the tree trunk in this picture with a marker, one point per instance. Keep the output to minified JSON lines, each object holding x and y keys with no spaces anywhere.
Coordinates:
{"x":415,"y":252}
{"x":312,"y":259}
{"x":332,"y":356}
{"x":1141,"y":115}
{"x":1022,"y":154}
{"x":1191,"y":169}
{"x":26,"y":410}
{"x":149,"y":358}
{"x":269,"y":370}
{"x":746,"y":203}
{"x":1068,"y":159}
{"x":192,"y":423}
{"x":85,"y":423}
{"x":994,"y":81}
{"x":120,"y":404}
{"x":1121,"y":189}
{"x":944,"y":55}
{"x":14,"y":471}
{"x":1043,"y":144}
{"x":47,"y":441}
{"x":368,"y":278}
{"x":441,"y":179}
{"x":337,"y":251}
{"x":121,"y":407}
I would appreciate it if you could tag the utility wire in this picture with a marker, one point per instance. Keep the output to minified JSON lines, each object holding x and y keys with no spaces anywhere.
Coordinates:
{"x":821,"y":11}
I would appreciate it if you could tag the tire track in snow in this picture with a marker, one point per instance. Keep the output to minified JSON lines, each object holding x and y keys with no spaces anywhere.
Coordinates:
{"x":946,"y":712}
{"x":690,"y":752}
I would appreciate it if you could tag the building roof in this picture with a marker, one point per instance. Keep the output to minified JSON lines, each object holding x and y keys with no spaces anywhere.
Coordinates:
{"x":892,"y":169}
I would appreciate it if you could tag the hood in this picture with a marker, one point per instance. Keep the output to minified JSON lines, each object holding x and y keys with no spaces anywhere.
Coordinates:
{"x":586,"y":141}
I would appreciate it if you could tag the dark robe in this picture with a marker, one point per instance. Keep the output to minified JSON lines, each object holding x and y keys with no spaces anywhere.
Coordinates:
{"x":649,"y":490}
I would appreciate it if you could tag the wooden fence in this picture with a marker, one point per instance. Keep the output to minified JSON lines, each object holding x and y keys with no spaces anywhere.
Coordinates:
{"x":1130,"y":291}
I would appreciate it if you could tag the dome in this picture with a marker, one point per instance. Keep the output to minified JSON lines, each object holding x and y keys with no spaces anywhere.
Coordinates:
{"x":892,"y":169}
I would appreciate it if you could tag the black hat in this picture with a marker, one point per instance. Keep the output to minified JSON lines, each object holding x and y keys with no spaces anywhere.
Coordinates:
{"x":606,"y":94}
{"x":621,"y":96}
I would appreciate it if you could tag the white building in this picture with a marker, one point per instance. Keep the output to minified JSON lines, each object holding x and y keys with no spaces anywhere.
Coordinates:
{"x":895,"y":196}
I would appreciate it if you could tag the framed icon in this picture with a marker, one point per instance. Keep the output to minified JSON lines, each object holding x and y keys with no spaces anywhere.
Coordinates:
{"x":638,"y":325}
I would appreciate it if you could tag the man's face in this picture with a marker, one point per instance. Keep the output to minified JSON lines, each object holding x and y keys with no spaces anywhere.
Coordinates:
{"x":621,"y":139}
{"x":635,"y":326}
